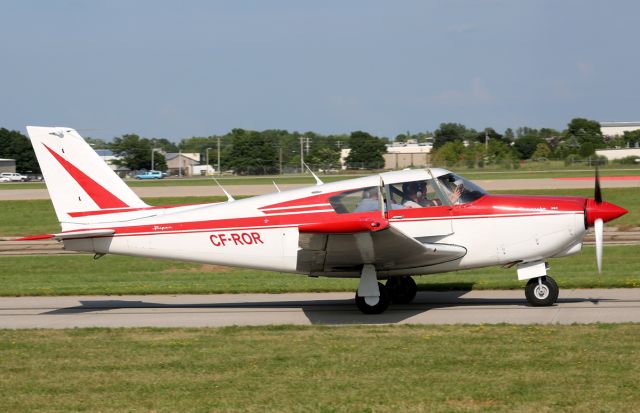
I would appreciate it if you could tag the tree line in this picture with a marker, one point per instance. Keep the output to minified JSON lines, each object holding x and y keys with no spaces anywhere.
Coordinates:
{"x":455,"y":144}
{"x":274,"y":151}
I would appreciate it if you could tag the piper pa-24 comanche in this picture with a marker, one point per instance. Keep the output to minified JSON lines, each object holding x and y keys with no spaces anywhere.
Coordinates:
{"x":391,"y":225}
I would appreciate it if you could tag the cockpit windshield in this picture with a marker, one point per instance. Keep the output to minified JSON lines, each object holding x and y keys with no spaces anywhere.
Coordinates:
{"x":459,"y":190}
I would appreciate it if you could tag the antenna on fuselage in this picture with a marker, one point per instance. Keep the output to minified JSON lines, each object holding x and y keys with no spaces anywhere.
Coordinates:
{"x":276,"y":185}
{"x":318,"y":180}
{"x":229,"y":197}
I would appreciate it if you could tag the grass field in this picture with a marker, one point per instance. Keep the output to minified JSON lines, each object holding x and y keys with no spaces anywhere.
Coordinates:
{"x":323,"y":369}
{"x":529,"y":171}
{"x":19,"y":218}
{"x":79,"y":275}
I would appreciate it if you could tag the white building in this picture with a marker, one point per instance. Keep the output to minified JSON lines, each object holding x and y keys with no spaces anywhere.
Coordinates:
{"x":612,"y":154}
{"x":611,"y":129}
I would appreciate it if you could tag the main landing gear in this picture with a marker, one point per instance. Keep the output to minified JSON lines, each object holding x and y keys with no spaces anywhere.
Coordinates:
{"x":373,"y":297}
{"x":541,"y":290}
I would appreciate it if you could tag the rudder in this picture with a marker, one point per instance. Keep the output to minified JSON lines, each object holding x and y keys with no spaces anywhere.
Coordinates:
{"x":77,"y":179}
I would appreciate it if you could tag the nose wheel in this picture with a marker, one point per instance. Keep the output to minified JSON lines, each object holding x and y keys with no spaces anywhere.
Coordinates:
{"x":541,"y":291}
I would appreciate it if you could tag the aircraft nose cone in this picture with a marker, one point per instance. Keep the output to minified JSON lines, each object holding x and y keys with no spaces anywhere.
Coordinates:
{"x":603,"y":210}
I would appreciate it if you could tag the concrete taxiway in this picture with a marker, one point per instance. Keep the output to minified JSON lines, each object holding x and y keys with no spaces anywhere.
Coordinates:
{"x":452,"y":307}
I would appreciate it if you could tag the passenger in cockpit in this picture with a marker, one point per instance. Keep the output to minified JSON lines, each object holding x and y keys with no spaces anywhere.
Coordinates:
{"x":370,"y":201}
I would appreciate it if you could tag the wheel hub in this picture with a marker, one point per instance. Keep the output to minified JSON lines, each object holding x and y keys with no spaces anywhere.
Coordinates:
{"x":541,"y":291}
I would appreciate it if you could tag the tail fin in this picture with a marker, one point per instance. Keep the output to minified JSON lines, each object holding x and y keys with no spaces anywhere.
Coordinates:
{"x":78,"y":180}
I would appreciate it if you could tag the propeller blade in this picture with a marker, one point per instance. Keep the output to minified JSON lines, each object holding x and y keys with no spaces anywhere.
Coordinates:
{"x":598,"y":192}
{"x":598,"y":226}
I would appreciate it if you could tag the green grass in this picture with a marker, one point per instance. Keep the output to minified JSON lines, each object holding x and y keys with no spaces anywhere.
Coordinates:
{"x":19,"y":218}
{"x":528,"y":171}
{"x":323,"y":369}
{"x":112,"y":275}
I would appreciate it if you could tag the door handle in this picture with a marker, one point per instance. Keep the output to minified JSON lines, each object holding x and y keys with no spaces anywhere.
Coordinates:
{"x":397,"y":217}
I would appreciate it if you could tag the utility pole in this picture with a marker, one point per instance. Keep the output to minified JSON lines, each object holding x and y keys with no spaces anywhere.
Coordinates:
{"x":207,"y":152}
{"x":280,"y":160}
{"x":180,"y":163}
{"x":219,"y":171}
{"x":486,"y":140}
{"x":153,"y":151}
{"x":308,"y":141}
{"x":301,"y":155}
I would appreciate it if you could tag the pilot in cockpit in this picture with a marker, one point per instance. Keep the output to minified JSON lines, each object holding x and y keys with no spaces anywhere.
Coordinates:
{"x":410,"y":190}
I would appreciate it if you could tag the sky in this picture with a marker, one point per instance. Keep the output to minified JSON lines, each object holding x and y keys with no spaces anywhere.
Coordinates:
{"x":176,"y":69}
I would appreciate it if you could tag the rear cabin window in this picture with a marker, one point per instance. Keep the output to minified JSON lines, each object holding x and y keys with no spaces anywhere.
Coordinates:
{"x":357,"y":200}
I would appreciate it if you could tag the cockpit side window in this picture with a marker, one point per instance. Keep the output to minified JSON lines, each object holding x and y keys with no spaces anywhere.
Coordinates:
{"x":459,"y":190}
{"x":414,"y":194}
{"x":357,"y":200}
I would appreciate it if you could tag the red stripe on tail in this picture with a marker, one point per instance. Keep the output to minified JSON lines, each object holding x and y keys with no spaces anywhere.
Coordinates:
{"x":102,"y":197}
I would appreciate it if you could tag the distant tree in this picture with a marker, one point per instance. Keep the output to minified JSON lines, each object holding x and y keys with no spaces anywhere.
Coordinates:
{"x":324,"y":154}
{"x":542,"y":151}
{"x":489,"y":133}
{"x":586,"y":133}
{"x":97,"y":143}
{"x":401,"y":138}
{"x":509,"y":135}
{"x":325,"y":157}
{"x":14,"y":145}
{"x":366,"y":151}
{"x":164,"y":144}
{"x":526,"y":146}
{"x":474,"y":155}
{"x":548,"y":133}
{"x":252,"y":153}
{"x":136,"y":153}
{"x":449,"y":154}
{"x":523,"y":131}
{"x":631,"y":139}
{"x":500,"y":152}
{"x":449,"y":132}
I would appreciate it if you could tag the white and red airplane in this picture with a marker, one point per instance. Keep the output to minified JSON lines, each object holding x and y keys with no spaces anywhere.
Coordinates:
{"x":386,"y":226}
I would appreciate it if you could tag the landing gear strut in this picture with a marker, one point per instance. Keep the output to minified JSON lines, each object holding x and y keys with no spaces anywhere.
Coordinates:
{"x":541,"y":291}
{"x":367,"y":306}
{"x":372,"y":296}
{"x":402,"y":290}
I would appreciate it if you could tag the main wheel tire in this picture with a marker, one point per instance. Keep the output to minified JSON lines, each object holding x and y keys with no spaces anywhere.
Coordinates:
{"x":402,"y":290}
{"x":380,"y":307}
{"x":541,"y":294}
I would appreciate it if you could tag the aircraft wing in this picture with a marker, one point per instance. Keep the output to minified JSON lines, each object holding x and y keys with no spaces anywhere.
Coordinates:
{"x":387,"y":249}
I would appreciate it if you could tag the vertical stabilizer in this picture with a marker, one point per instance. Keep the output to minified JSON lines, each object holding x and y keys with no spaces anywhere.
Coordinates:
{"x":78,"y":180}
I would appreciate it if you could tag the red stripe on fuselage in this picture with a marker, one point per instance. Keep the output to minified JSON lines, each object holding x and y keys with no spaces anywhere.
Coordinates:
{"x":501,"y":206}
{"x":101,"y":196}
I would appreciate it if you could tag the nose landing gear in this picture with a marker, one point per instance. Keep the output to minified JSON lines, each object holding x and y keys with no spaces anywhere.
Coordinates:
{"x":541,"y":291}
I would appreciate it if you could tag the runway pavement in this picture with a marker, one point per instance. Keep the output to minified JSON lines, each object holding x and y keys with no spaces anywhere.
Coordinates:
{"x":454,"y":307}
{"x":161,"y":191}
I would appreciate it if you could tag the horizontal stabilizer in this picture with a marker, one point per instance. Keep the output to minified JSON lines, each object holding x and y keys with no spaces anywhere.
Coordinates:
{"x":71,"y":235}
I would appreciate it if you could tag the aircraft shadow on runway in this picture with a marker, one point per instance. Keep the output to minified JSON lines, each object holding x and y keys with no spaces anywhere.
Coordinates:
{"x":339,"y":311}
